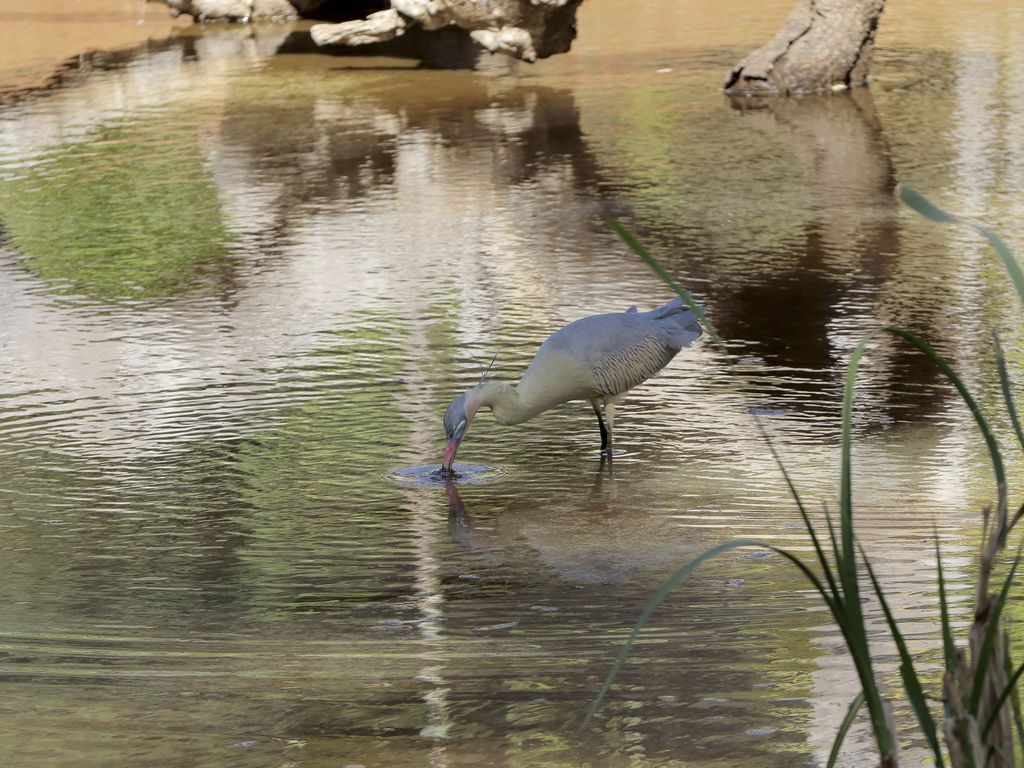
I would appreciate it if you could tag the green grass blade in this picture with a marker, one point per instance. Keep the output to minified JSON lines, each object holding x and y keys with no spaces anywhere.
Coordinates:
{"x":948,"y":648}
{"x":911,"y":682}
{"x":1004,"y":382}
{"x":1003,"y":696}
{"x":847,"y":568}
{"x":995,"y":455}
{"x":825,"y":566}
{"x":831,"y":531}
{"x":674,"y":581}
{"x":929,"y":210}
{"x":856,"y":634}
{"x":638,"y":248}
{"x":984,"y":655}
{"x":846,"y":609}
{"x":837,"y":743}
{"x":847,"y":565}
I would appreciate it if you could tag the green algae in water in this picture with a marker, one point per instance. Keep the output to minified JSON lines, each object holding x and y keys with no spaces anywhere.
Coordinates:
{"x":131,"y":211}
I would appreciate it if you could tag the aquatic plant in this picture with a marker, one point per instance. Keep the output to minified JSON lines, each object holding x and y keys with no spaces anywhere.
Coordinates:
{"x":127,"y":211}
{"x":981,"y":707}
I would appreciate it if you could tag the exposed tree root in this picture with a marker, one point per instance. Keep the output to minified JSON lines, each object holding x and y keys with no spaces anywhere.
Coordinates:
{"x":823,"y":45}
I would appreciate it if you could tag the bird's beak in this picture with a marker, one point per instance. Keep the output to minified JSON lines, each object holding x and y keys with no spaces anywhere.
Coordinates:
{"x":449,"y":455}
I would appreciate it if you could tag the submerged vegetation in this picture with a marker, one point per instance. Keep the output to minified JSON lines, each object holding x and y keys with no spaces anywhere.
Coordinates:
{"x":120,"y":213}
{"x":981,"y":711}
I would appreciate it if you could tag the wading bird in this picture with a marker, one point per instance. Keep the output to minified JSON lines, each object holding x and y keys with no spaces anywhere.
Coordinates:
{"x":597,"y":358}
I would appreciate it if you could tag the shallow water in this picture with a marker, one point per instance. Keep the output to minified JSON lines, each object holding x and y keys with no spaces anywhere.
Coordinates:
{"x":237,"y":291}
{"x":434,"y":475}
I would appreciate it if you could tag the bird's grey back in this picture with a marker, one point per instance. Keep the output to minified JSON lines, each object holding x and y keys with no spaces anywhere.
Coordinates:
{"x":623,"y":349}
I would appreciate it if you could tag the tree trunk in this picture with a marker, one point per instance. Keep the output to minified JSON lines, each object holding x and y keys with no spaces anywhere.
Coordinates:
{"x":823,"y":45}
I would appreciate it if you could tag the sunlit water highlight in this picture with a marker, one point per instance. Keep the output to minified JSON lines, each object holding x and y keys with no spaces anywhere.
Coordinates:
{"x":237,"y":291}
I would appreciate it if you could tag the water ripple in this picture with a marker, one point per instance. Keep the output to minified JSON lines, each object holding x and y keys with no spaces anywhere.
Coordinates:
{"x":237,"y":293}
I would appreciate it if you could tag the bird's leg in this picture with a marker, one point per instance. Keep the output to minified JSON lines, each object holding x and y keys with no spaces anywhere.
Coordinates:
{"x":600,"y":423}
{"x":609,"y":419}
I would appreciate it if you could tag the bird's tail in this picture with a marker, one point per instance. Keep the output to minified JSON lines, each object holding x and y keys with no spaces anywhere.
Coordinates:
{"x":683,"y":322}
{"x":673,"y":307}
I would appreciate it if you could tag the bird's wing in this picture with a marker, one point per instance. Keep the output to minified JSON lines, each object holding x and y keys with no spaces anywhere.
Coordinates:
{"x":621,"y":368}
{"x":621,"y":350}
{"x":607,"y":354}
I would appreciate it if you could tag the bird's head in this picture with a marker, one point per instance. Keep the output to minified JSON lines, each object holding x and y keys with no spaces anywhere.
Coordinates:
{"x":456,"y":421}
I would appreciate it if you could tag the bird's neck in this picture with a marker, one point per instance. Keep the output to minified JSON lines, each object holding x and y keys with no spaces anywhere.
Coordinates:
{"x":505,"y":401}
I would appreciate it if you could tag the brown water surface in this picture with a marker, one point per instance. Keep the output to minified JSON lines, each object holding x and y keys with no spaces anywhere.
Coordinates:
{"x":42,"y":37}
{"x":237,"y":290}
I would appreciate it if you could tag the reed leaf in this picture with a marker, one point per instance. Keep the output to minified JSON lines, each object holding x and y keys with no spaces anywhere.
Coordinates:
{"x":1015,"y":701}
{"x":995,"y":455}
{"x":847,"y":565}
{"x":981,"y":662}
{"x":638,"y":248}
{"x":855,"y":632}
{"x":674,"y":581}
{"x":948,"y":647}
{"x":929,"y":210}
{"x":825,"y":566}
{"x":837,"y":743}
{"x":1004,"y":383}
{"x":993,"y":751}
{"x":1003,"y":696}
{"x":844,"y":602}
{"x":911,"y":682}
{"x":831,"y":531}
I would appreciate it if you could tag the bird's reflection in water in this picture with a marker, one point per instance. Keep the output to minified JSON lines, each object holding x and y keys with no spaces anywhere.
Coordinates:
{"x":460,"y":521}
{"x":602,"y":537}
{"x":460,"y":524}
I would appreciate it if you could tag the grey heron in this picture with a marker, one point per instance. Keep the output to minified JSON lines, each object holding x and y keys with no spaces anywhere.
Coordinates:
{"x":597,"y":359}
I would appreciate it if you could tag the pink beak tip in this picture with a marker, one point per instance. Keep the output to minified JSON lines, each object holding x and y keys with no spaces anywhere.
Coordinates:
{"x":449,"y":455}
